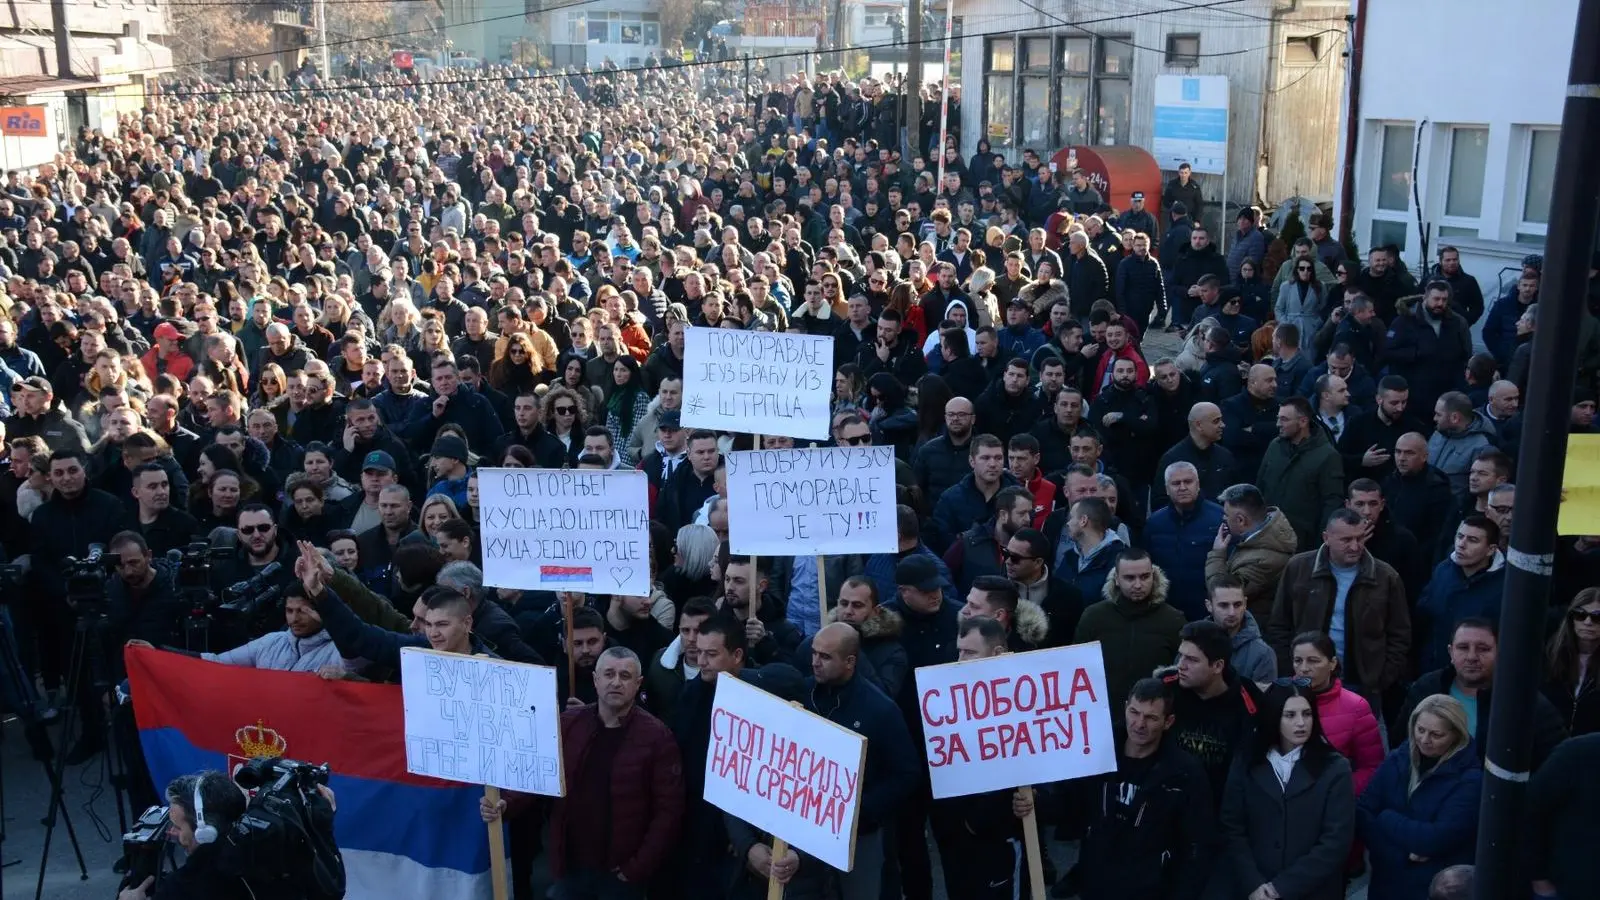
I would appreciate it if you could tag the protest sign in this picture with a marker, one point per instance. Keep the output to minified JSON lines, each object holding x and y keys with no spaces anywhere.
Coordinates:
{"x":786,"y":771}
{"x":757,"y":381}
{"x":1016,"y":719}
{"x":482,"y":720}
{"x":812,"y":501}
{"x":565,"y":530}
{"x":1580,"y":487}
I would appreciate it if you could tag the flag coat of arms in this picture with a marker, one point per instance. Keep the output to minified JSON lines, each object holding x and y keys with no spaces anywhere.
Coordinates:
{"x":403,"y":836}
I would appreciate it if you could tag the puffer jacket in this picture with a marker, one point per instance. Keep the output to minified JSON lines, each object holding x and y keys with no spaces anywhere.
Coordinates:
{"x":1136,"y":638}
{"x":1352,"y":729}
{"x":1450,"y":597}
{"x":1437,"y":821}
{"x":1257,"y":561}
{"x":1452,"y":454}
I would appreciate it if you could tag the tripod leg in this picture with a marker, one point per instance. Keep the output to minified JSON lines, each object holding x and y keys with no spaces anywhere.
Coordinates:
{"x":57,"y":768}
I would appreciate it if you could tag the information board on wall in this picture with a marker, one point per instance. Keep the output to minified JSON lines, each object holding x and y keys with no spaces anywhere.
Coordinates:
{"x":578,"y":530}
{"x":483,"y":721}
{"x":1191,"y":123}
{"x":803,"y":502}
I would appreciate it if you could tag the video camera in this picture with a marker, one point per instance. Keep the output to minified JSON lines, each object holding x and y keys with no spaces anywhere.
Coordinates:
{"x":86,"y":580}
{"x":282,"y":847}
{"x":247,"y":599}
{"x":283,"y":844}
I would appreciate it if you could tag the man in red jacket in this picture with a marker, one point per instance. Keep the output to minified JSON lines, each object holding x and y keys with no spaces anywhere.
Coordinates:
{"x":610,"y":834}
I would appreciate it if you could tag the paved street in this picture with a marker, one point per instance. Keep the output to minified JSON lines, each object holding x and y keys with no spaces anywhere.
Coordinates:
{"x":93,"y":814}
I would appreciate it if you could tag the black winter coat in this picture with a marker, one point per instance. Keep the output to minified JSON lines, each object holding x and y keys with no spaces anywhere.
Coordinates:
{"x":1159,"y":846}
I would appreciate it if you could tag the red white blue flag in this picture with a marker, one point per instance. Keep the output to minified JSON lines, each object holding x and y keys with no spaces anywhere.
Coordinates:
{"x":402,"y":836}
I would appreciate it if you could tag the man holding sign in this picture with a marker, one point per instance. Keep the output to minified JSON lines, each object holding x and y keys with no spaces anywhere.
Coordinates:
{"x":613,"y":830}
{"x":835,"y":693}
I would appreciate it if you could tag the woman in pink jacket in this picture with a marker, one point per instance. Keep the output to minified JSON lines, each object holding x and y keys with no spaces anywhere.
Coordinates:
{"x":1347,"y":719}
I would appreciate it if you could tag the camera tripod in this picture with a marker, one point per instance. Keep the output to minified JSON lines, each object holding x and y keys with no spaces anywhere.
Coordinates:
{"x":87,"y":657}
{"x":22,"y":698}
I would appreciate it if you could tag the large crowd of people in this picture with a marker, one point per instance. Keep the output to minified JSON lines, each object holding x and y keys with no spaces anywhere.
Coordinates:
{"x":289,"y":323}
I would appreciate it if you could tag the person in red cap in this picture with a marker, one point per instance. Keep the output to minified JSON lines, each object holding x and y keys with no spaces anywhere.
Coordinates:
{"x":167,"y":357}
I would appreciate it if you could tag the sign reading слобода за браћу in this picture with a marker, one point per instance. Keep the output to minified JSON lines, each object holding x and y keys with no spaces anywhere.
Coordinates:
{"x":578,"y":530}
{"x":758,"y":382}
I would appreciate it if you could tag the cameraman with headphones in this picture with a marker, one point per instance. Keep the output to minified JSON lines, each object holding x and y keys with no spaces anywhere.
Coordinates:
{"x":202,"y":809}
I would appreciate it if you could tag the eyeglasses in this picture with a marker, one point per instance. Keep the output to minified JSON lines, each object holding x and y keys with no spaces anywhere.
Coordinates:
{"x":1296,"y":682}
{"x":858,"y":440}
{"x":1302,"y":268}
{"x":255,"y":529}
{"x":565,"y":410}
{"x":1018,"y":557}
{"x":1585,"y":615}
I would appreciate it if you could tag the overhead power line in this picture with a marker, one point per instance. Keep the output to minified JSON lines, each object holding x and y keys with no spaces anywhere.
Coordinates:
{"x":789,"y":54}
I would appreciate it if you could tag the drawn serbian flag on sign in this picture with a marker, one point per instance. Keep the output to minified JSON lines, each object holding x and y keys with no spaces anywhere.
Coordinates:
{"x":402,"y":836}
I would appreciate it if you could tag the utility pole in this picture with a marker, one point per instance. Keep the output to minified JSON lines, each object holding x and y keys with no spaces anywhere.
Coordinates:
{"x":320,"y":11}
{"x":63,"y":35}
{"x":1574,"y":204}
{"x":913,"y":88}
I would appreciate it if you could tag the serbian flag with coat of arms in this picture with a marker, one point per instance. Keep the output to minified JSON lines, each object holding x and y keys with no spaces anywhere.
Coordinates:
{"x":403,"y":836}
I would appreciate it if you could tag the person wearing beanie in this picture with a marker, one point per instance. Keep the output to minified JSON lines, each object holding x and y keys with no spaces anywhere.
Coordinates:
{"x":447,"y":462}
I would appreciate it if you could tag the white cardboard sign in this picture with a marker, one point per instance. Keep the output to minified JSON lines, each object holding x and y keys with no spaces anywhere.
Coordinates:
{"x":580,"y":530}
{"x":786,"y":771}
{"x":482,"y":721}
{"x":1016,"y":719}
{"x":805,"y":502}
{"x":757,"y":381}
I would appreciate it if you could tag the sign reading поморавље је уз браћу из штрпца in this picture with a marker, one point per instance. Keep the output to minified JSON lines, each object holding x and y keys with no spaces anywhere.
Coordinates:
{"x":757,"y":382}
{"x":580,"y":530}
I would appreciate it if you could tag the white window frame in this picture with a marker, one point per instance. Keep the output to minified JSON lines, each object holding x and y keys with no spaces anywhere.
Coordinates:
{"x":1521,"y":225}
{"x":1402,"y":217}
{"x":1473,"y":227}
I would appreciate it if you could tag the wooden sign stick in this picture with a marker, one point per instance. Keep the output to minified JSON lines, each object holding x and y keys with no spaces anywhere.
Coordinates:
{"x":1030,"y":839}
{"x":572,"y":660}
{"x":755,"y":587}
{"x":822,"y":591}
{"x":497,"y":846}
{"x":774,"y":887}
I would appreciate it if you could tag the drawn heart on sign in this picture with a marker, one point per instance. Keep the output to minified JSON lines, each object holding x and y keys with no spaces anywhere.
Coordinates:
{"x":620,"y":574}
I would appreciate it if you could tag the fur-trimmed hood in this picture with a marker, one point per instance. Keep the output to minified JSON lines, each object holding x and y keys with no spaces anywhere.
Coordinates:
{"x":1033,"y":623}
{"x":1042,"y":297}
{"x":884,"y":625}
{"x":1108,"y":591}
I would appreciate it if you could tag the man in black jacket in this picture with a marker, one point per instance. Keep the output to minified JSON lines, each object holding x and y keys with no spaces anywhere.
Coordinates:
{"x":1008,"y":407}
{"x":1203,"y":449}
{"x":691,"y":485}
{"x":1126,"y":418}
{"x":202,"y":875}
{"x":942,"y":462}
{"x":527,"y":414}
{"x":1428,"y":345}
{"x":1250,"y":421}
{"x":1371,"y":435}
{"x":1418,"y":494}
{"x":892,"y":352}
{"x":1148,"y":828}
{"x":73,"y":522}
{"x":980,"y":835}
{"x":491,"y":623}
{"x":1474,"y":645}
